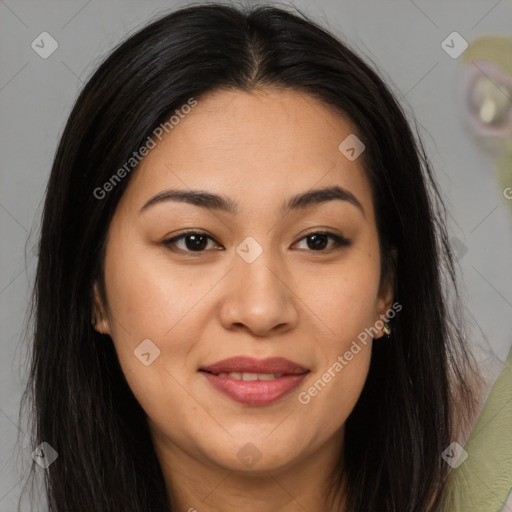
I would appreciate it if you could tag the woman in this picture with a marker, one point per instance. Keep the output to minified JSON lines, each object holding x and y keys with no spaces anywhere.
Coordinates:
{"x":242,"y":290}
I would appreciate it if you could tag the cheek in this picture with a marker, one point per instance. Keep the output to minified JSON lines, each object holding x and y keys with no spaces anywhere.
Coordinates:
{"x":146,"y":303}
{"x":331,"y":393}
{"x":344,"y":297}
{"x":345,"y":302}
{"x":147,"y":294}
{"x":148,"y":300}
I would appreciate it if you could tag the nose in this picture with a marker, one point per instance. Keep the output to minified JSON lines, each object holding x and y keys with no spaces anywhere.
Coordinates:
{"x":257,"y":297}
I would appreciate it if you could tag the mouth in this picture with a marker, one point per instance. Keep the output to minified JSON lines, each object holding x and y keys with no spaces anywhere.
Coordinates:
{"x":254,"y":382}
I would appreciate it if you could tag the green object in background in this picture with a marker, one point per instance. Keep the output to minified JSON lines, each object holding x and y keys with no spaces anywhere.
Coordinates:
{"x":483,"y":482}
{"x":486,"y":102}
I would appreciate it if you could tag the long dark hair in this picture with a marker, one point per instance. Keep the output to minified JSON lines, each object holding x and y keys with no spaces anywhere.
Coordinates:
{"x":81,"y":403}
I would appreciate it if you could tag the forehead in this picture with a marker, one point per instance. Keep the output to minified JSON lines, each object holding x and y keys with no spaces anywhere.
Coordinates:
{"x":254,"y":147}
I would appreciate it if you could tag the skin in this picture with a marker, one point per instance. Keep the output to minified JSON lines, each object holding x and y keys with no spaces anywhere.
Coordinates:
{"x":258,"y":149}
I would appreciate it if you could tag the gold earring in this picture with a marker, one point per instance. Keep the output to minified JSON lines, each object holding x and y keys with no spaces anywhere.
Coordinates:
{"x":387,"y":329}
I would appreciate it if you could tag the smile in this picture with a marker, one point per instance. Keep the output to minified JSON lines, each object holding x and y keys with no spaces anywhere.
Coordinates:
{"x":254,"y":382}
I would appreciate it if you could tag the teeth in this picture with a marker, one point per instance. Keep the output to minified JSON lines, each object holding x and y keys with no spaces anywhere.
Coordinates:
{"x":266,"y":376}
{"x":248,"y":376}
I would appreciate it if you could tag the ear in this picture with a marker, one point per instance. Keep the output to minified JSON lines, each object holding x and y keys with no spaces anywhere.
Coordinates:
{"x":387,"y":290}
{"x":100,"y":318}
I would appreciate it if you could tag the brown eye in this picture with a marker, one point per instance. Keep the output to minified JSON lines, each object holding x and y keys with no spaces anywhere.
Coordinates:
{"x":190,"y":242}
{"x":318,"y":241}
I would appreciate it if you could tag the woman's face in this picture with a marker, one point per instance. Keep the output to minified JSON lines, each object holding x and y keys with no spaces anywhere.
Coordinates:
{"x":253,"y":282}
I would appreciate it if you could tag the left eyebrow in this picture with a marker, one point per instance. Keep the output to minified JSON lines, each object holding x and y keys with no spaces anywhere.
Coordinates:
{"x":222,"y":203}
{"x":318,"y":196}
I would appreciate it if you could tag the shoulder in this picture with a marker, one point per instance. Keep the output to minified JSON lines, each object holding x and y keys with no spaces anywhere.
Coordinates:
{"x":480,"y":478}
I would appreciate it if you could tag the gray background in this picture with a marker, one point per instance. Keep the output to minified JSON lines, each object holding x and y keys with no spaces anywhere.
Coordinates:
{"x":402,"y":37}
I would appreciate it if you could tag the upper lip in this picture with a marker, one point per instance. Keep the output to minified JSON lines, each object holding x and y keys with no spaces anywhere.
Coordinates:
{"x":250,"y":364}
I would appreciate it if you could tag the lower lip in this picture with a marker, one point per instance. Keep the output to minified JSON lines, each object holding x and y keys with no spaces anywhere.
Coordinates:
{"x":255,"y":392}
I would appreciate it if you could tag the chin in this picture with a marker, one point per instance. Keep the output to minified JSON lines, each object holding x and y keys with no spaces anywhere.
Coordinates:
{"x":257,"y":456}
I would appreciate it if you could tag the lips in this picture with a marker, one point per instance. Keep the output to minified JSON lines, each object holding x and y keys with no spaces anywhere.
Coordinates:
{"x":243,"y":364}
{"x":254,"y":382}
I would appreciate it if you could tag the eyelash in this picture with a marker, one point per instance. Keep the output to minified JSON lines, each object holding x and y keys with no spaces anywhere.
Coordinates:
{"x":339,"y":241}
